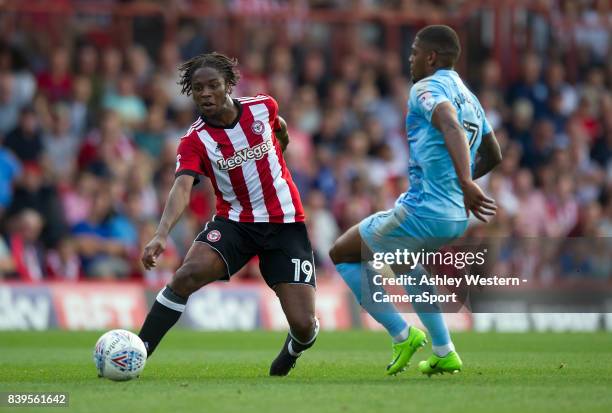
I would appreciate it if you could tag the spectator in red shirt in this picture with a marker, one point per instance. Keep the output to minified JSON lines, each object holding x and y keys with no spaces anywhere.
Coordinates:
{"x":25,"y":246}
{"x":63,"y":263}
{"x":56,"y":82}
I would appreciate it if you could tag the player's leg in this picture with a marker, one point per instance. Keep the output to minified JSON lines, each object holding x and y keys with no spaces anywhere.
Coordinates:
{"x":432,"y":235}
{"x":201,"y":266}
{"x":444,"y":359}
{"x":287,"y":266}
{"x":347,"y":254}
{"x":348,"y":247}
{"x":218,"y":251}
{"x":298,"y":303}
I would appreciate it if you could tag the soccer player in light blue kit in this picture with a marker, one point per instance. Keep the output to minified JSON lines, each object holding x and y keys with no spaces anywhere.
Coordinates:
{"x":451,"y":144}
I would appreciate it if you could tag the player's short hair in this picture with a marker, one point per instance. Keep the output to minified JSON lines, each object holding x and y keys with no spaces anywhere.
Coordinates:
{"x":443,"y":40}
{"x":225,"y":65}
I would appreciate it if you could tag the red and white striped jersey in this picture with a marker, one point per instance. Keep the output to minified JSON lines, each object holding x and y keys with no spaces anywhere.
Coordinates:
{"x":244,"y":163}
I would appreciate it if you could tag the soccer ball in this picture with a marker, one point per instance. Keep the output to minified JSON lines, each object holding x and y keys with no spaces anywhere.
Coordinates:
{"x":119,"y":355}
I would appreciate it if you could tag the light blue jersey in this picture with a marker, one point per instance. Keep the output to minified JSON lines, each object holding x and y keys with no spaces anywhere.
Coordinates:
{"x":434,"y":191}
{"x":431,"y":214}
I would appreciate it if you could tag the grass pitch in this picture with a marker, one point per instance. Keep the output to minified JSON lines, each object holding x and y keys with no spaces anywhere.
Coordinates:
{"x":344,"y":372}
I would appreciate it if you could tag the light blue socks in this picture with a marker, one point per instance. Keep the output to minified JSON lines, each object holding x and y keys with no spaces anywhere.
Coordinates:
{"x":386,"y":314}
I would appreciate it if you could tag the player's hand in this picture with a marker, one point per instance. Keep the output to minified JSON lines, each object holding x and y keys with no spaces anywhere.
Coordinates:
{"x":476,"y":201}
{"x":152,"y":250}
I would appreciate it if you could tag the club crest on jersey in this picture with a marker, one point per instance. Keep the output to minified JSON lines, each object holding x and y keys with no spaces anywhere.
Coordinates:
{"x":427,"y":101}
{"x":213,"y":236}
{"x":251,"y":153}
{"x":258,"y":127}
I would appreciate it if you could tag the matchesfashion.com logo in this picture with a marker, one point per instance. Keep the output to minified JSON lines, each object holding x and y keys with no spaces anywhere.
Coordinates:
{"x":254,"y":153}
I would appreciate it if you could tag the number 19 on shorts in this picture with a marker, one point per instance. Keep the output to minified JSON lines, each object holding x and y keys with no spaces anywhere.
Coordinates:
{"x":302,"y":266}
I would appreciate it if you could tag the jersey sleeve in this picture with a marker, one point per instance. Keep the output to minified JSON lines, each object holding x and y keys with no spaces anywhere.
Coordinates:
{"x":189,"y":158}
{"x":425,"y":96}
{"x":486,"y":126}
{"x":273,"y":111}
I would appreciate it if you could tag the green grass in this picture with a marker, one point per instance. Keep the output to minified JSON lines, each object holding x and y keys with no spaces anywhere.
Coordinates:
{"x":344,"y":372}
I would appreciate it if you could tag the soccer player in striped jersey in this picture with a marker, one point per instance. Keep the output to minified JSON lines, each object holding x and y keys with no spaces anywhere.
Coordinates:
{"x":238,"y":144}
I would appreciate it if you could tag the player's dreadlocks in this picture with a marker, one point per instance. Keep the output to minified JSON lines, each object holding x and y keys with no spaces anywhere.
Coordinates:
{"x":225,"y":65}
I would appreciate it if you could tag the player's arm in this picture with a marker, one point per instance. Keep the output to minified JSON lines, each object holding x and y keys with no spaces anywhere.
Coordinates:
{"x":178,"y":199}
{"x":488,"y":156}
{"x":444,"y":119}
{"x":280,"y":131}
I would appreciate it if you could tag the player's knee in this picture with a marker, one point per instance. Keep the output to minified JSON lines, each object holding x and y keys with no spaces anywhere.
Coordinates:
{"x":303,"y":327}
{"x":342,"y":252}
{"x":335,"y":253}
{"x":197,"y":272}
{"x":188,"y":279}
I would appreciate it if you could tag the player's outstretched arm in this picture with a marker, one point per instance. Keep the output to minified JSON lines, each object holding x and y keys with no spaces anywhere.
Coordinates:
{"x":281,"y":134}
{"x":488,"y":156}
{"x":178,"y":199}
{"x":445,"y":120}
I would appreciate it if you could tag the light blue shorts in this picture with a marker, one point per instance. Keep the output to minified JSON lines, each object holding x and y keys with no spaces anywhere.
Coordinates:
{"x":399,"y":228}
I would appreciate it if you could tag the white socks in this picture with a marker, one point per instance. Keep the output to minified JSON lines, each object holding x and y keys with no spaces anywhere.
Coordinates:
{"x":402,"y":336}
{"x":442,"y":351}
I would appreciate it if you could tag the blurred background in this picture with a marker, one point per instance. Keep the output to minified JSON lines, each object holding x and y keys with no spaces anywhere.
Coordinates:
{"x":91,"y":114}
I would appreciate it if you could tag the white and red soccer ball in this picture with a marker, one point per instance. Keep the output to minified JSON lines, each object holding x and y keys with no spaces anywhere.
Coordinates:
{"x":119,"y":355}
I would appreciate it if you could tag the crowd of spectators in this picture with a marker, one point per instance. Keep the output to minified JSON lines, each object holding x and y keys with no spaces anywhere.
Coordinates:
{"x":88,"y":138}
